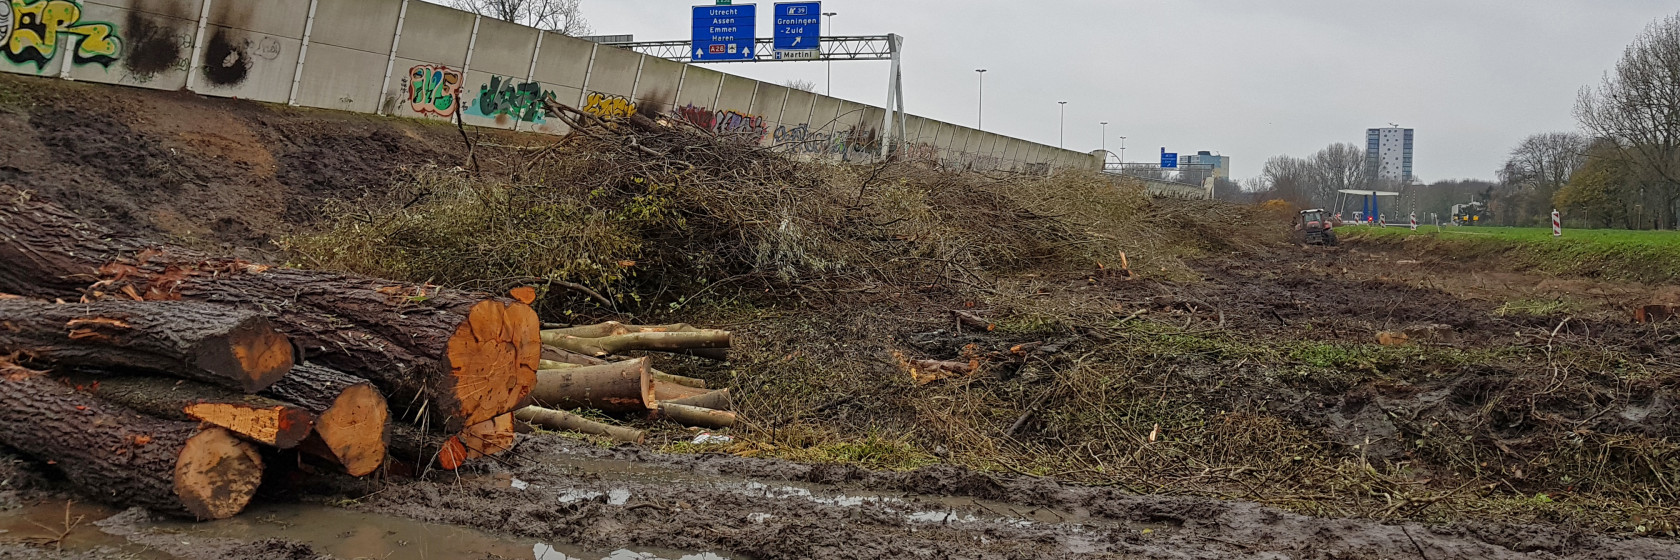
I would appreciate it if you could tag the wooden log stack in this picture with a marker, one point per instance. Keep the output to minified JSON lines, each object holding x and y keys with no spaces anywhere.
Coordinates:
{"x":154,"y":375}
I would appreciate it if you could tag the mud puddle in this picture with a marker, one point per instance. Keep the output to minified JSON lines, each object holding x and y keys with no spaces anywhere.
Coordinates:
{"x":82,"y":529}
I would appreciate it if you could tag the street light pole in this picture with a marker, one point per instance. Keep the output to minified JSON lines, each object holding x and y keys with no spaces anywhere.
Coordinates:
{"x":831,"y":60}
{"x":980,"y":122}
{"x":1122,"y":152}
{"x":1061,"y":141}
{"x":1105,"y":143}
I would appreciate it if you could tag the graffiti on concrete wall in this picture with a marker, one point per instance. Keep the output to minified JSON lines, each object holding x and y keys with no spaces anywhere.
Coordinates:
{"x":850,"y":144}
{"x":609,"y":106}
{"x":503,"y":97}
{"x":30,"y":29}
{"x":156,"y":45}
{"x":919,"y":151}
{"x":733,"y":123}
{"x":434,"y":90}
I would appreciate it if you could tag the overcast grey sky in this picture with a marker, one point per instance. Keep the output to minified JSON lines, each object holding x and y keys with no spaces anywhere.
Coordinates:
{"x":1245,"y":78}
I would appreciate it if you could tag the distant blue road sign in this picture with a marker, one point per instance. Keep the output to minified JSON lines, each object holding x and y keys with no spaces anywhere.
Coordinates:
{"x":798,"y":30}
{"x":1169,"y":160}
{"x":725,"y":32}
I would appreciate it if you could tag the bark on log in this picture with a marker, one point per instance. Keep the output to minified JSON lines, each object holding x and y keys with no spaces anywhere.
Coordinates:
{"x":461,"y":356}
{"x":696,"y":416}
{"x":611,"y":328}
{"x":215,"y":344}
{"x":654,"y":341}
{"x":619,"y":387}
{"x":260,"y":419}
{"x":657,"y":375}
{"x":352,"y":420}
{"x":121,"y":457}
{"x":566,"y":421}
{"x":1649,"y":314}
{"x":412,"y":446}
{"x":715,"y":400}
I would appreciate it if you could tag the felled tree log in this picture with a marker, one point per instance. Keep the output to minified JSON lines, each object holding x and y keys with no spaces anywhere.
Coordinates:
{"x":1649,"y":314}
{"x":664,"y":392}
{"x":415,"y":447}
{"x":611,"y":328}
{"x":657,"y":375}
{"x":973,"y":321}
{"x":260,"y":419}
{"x":696,"y":416}
{"x":566,"y":421}
{"x":121,"y":457}
{"x":215,"y":344}
{"x":655,"y":341}
{"x":485,"y":439}
{"x":715,"y":400}
{"x":618,"y":387}
{"x":351,"y":418}
{"x":461,"y":356}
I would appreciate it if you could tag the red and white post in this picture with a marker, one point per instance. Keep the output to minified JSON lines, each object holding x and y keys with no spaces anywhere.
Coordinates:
{"x":1557,"y":224}
{"x":1414,"y":221}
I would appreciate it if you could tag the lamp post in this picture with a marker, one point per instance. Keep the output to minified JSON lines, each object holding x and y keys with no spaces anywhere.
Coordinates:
{"x":1061,"y":139}
{"x":831,"y":60}
{"x":1122,"y":152}
{"x":1105,"y":143}
{"x":980,"y":121}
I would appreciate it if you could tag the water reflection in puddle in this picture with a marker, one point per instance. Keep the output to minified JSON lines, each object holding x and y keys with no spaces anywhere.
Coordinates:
{"x":341,"y":533}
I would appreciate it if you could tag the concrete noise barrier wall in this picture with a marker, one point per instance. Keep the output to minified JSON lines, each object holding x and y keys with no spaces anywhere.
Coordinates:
{"x":415,"y":59}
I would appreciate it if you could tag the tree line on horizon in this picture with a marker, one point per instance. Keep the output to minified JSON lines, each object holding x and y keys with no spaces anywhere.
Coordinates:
{"x":1620,"y":170}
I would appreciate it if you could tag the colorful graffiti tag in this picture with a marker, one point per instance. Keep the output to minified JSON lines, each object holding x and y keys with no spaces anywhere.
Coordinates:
{"x":750,"y":127}
{"x":527,"y":102}
{"x":609,"y":106}
{"x":434,"y":90}
{"x":29,"y":32}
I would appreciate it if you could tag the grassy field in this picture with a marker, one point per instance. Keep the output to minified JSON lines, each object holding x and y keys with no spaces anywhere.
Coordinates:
{"x":1642,"y":256}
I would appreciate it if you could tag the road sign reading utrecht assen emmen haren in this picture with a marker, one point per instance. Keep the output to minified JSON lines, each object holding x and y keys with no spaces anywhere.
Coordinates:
{"x":725,"y":32}
{"x":798,"y":30}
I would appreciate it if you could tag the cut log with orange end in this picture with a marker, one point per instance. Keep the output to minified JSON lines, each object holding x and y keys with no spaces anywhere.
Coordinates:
{"x":524,"y":294}
{"x":463,"y":357}
{"x":215,"y":344}
{"x":488,"y":439}
{"x":260,"y":419}
{"x":618,"y":387}
{"x":352,"y":422}
{"x":125,"y":458}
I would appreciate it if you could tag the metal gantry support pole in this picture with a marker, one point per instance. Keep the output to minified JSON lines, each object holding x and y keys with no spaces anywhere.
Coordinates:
{"x":893,"y":136}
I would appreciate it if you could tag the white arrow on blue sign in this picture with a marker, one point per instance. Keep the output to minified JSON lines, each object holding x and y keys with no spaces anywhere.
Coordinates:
{"x":725,"y":32}
{"x":798,"y":29}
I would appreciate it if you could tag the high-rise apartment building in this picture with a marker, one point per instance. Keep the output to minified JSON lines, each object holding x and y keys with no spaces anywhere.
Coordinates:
{"x":1388,"y":154}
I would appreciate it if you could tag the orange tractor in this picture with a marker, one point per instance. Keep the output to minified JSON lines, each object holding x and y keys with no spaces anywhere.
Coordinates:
{"x":1314,"y":227}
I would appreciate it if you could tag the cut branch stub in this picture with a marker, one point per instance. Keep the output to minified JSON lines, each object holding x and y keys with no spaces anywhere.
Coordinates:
{"x":260,"y":419}
{"x":215,"y":344}
{"x":618,"y":387}
{"x":125,"y":458}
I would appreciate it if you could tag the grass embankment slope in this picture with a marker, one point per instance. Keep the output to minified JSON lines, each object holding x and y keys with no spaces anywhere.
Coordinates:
{"x":1254,"y":378}
{"x":1640,"y":256}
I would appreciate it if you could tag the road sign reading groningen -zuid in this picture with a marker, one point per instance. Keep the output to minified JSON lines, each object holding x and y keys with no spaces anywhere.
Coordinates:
{"x":1169,"y":160}
{"x":798,"y":30}
{"x":725,"y":32}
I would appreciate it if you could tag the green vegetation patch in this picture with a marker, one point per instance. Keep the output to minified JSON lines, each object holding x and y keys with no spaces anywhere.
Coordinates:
{"x":1639,"y":256}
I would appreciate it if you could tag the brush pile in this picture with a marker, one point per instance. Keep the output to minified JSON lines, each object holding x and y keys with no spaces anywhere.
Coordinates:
{"x":158,"y":376}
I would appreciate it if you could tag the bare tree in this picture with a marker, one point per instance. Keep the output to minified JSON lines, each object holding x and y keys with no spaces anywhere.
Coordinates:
{"x":1537,"y":169}
{"x":1638,"y":107}
{"x":802,"y":85}
{"x":560,"y":16}
{"x":1335,"y":168}
{"x":1289,"y":179}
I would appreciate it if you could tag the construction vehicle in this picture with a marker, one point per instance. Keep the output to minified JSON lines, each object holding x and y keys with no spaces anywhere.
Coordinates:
{"x":1316,"y":228}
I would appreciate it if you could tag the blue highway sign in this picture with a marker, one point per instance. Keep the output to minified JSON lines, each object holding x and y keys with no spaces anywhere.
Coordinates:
{"x":1169,"y":160}
{"x":798,"y":30}
{"x":725,"y":32}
